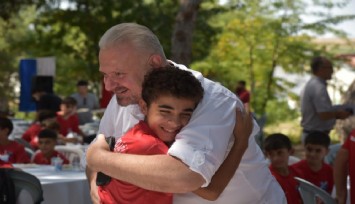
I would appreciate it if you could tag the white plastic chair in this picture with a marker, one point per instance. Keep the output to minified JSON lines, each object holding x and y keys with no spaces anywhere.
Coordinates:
{"x":310,"y":192}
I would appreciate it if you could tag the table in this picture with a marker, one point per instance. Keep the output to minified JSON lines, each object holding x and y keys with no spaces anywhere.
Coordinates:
{"x":59,"y":187}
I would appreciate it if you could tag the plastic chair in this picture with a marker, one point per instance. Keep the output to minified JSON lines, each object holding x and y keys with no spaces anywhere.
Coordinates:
{"x":309,"y":193}
{"x":70,"y":152}
{"x":25,"y":181}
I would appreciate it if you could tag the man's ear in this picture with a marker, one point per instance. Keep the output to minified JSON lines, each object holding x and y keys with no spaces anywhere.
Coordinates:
{"x":143,"y":106}
{"x":155,"y":61}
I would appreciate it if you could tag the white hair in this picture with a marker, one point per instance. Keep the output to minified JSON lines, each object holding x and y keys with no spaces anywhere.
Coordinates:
{"x":141,"y":37}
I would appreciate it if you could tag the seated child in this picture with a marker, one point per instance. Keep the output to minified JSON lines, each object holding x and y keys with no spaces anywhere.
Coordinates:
{"x":170,"y":96}
{"x":313,"y":168}
{"x":44,"y":118}
{"x":344,"y":165}
{"x":278,"y":149}
{"x":47,"y":139}
{"x":68,"y":118}
{"x":10,"y":151}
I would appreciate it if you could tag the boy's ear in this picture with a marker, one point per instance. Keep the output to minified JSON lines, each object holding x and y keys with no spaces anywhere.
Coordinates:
{"x":143,"y":106}
{"x":292,"y":151}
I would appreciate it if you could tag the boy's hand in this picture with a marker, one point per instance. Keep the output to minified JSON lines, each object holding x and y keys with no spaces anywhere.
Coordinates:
{"x":243,"y":127}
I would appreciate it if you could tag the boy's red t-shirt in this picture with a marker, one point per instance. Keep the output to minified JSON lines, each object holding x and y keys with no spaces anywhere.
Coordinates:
{"x":350,"y":146}
{"x":16,"y":152}
{"x":322,"y":178}
{"x":289,"y":185}
{"x":71,"y":123}
{"x":39,"y":158}
{"x":31,"y":135}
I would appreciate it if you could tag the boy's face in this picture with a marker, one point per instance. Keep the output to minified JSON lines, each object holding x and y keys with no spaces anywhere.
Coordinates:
{"x":315,"y":153}
{"x":279,"y":157}
{"x":46,"y":145}
{"x":67,"y":108}
{"x":167,"y":115}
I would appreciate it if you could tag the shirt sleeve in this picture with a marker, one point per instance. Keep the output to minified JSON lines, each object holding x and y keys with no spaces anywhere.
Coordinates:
{"x":321,"y":100}
{"x":202,"y":144}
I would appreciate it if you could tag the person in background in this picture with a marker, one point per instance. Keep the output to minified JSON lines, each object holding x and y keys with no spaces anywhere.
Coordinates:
{"x":344,"y":166}
{"x":278,"y":149}
{"x":47,"y":139}
{"x":244,"y":95}
{"x":45,"y":117}
{"x":318,"y":113}
{"x":127,"y":52}
{"x":313,"y":168}
{"x":10,"y":151}
{"x":68,"y":119}
{"x":86,"y":102}
{"x":46,"y":101}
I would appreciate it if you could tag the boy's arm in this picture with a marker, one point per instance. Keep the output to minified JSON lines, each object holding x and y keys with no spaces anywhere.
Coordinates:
{"x":340,"y":175}
{"x":223,"y":175}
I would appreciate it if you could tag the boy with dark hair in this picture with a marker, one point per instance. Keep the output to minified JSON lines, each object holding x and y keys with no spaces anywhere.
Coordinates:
{"x":313,"y":168}
{"x":10,"y":151}
{"x":47,"y":139}
{"x":278,"y":149}
{"x":45,"y":117}
{"x":68,"y":118}
{"x":170,"y":96}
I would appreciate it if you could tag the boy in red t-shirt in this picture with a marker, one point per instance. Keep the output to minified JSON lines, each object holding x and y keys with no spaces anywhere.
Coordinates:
{"x":10,"y":151}
{"x":45,"y":117}
{"x":278,"y":149}
{"x":313,"y":168}
{"x":68,"y":119}
{"x":344,"y":165}
{"x":170,"y":96}
{"x":47,"y":139}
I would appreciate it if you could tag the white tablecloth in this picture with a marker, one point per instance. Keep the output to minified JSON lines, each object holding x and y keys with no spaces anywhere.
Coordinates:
{"x":63,"y":187}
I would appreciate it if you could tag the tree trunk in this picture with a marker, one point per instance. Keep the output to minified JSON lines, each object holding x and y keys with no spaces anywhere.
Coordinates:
{"x":181,"y":49}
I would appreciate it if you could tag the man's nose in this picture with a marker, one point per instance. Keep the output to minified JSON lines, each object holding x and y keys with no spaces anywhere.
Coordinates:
{"x":110,"y":84}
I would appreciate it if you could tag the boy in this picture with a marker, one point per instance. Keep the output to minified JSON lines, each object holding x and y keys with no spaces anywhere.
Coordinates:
{"x":68,"y":118}
{"x":343,"y":166}
{"x":278,"y":150}
{"x":47,"y":139}
{"x":170,"y":96}
{"x":10,"y":151}
{"x":45,"y":117}
{"x":313,"y":168}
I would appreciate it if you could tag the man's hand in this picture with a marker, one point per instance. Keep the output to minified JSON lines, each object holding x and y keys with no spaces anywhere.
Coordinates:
{"x":94,"y":154}
{"x":243,"y":127}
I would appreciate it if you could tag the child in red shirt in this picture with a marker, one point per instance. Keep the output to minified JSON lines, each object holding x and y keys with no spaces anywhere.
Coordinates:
{"x":44,"y":118}
{"x":170,"y":96}
{"x":344,"y":165}
{"x":313,"y":168}
{"x":68,"y":118}
{"x":47,"y":139}
{"x":10,"y":151}
{"x":278,"y":149}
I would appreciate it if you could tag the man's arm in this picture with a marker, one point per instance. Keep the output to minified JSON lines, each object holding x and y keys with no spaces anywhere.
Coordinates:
{"x":223,"y":175}
{"x":166,"y":173}
{"x":339,"y":114}
{"x":340,"y":175}
{"x":91,"y":177}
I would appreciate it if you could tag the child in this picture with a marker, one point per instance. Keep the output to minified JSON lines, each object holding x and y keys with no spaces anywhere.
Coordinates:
{"x":313,"y":168}
{"x":170,"y":96}
{"x":344,"y":165}
{"x":44,"y":118}
{"x":47,"y":139}
{"x":278,"y":150}
{"x":68,"y":118}
{"x":10,"y":151}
